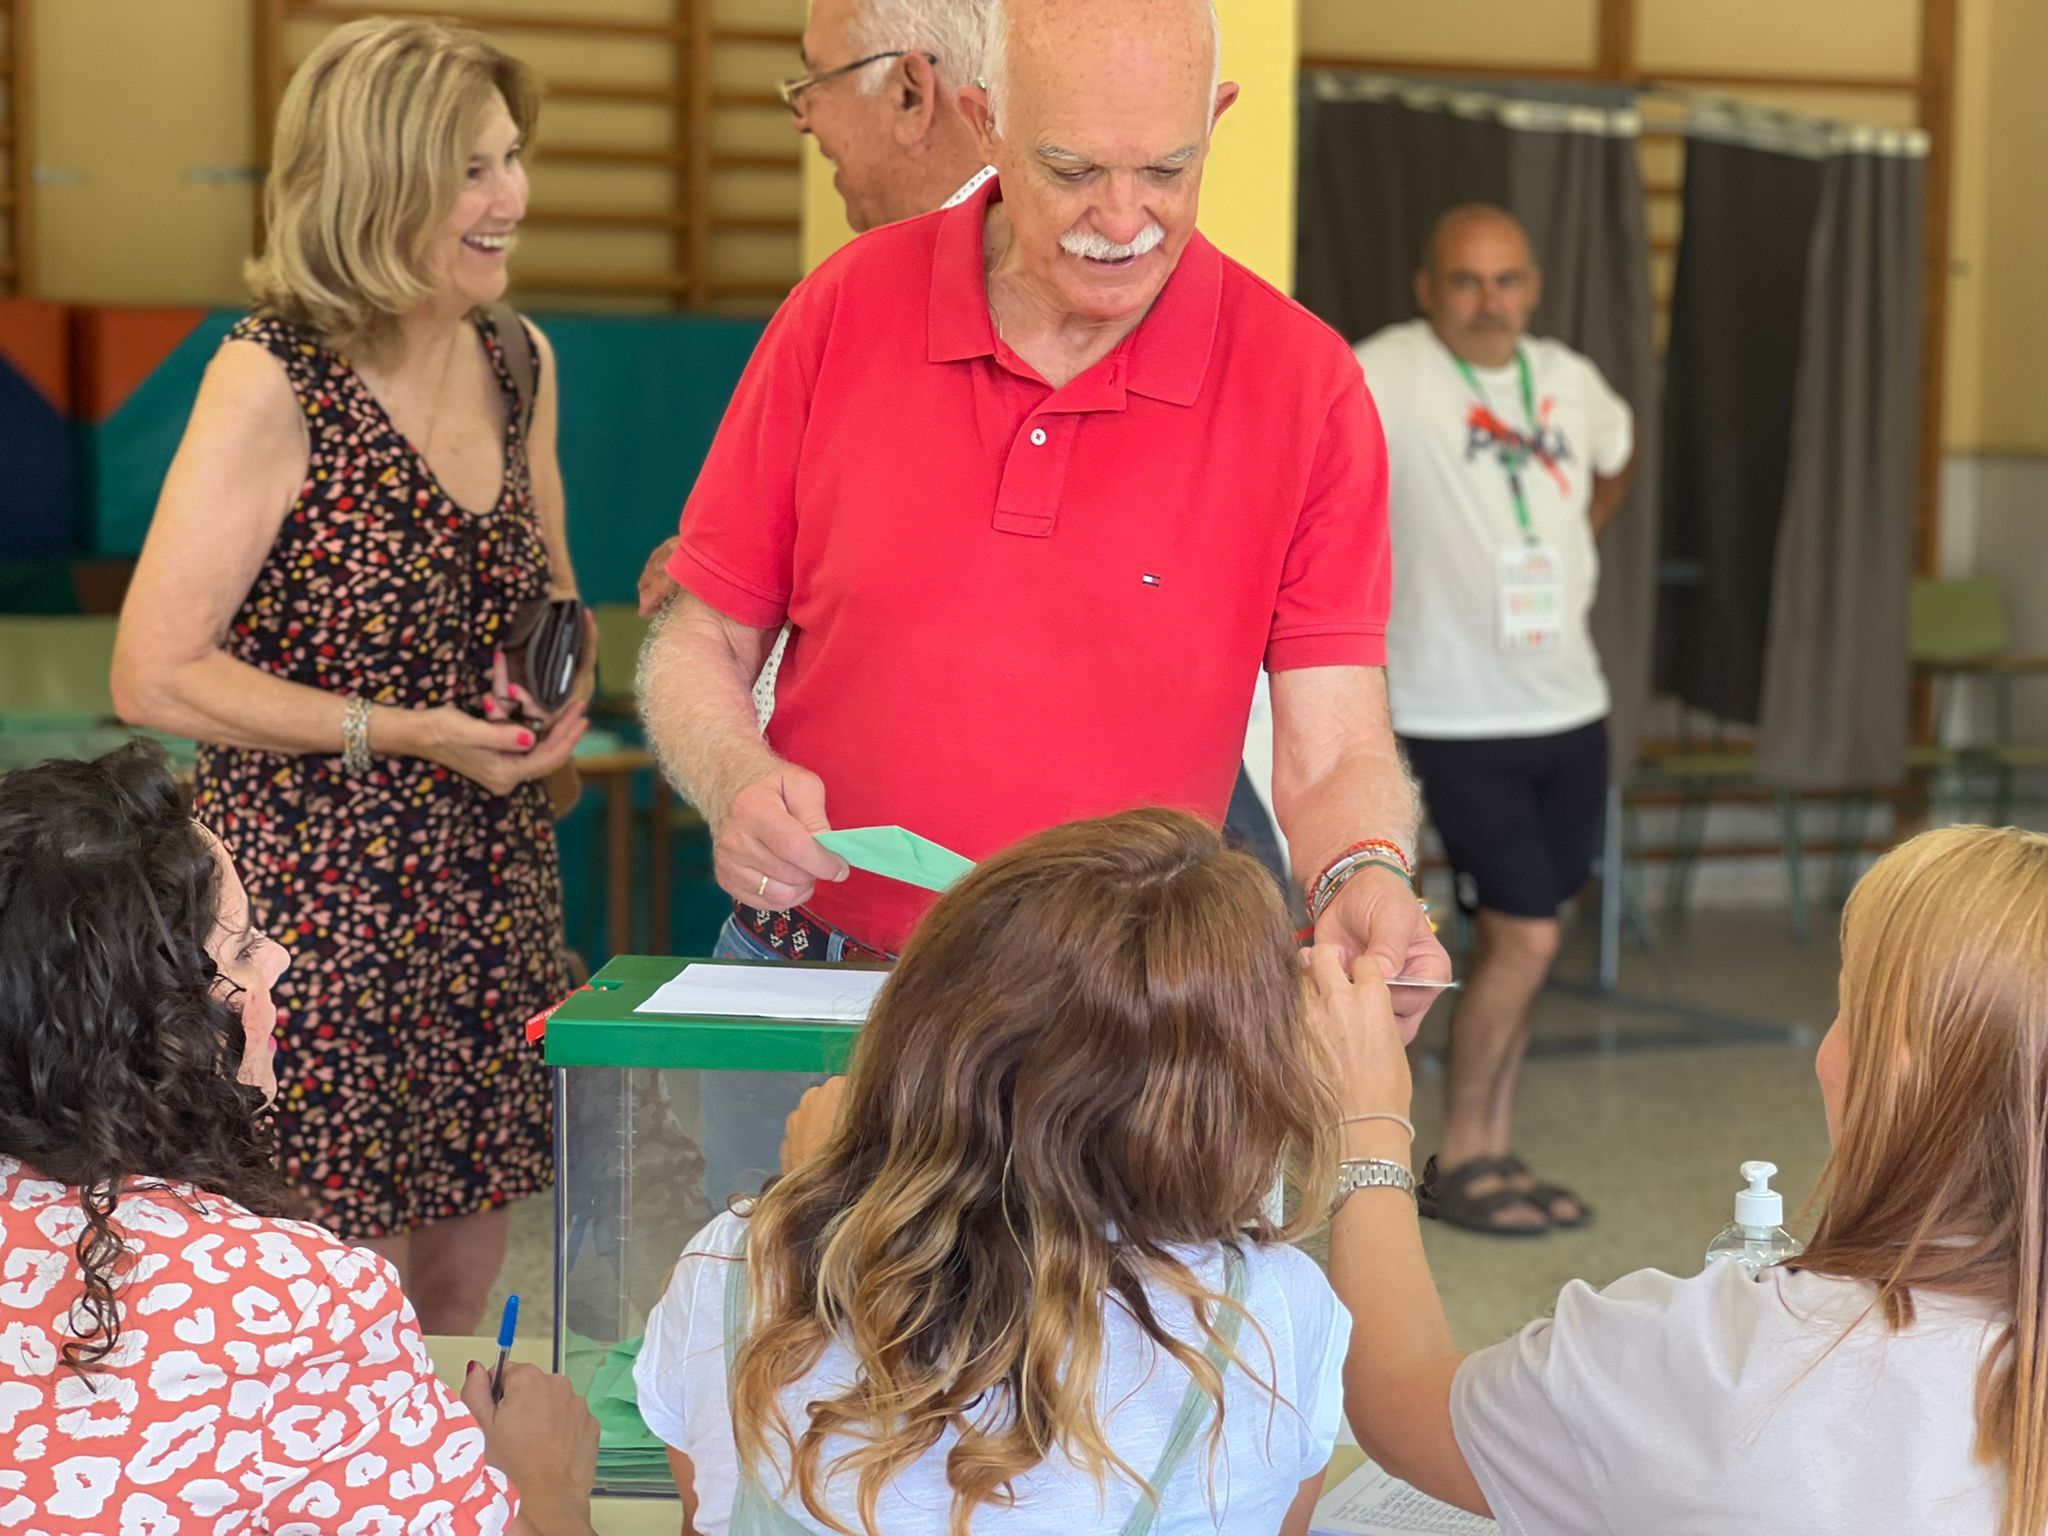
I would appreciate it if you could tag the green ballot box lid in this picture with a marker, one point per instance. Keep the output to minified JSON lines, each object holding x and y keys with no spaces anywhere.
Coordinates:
{"x":603,"y":1025}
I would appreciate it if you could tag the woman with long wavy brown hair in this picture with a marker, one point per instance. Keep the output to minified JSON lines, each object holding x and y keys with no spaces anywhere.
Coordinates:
{"x":1894,"y":1377}
{"x":1028,"y":1282}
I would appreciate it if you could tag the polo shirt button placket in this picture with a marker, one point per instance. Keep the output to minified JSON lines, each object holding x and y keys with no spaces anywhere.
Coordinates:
{"x":1027,"y":502}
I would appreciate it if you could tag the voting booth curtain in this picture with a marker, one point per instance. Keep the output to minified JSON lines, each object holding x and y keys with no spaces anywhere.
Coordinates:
{"x":1790,"y":439}
{"x":1383,"y":156}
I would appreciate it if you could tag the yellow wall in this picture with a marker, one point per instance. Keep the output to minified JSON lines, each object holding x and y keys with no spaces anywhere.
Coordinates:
{"x":1963,"y":387}
{"x":1521,"y":31}
{"x":138,"y":105}
{"x":144,"y":111}
{"x":1248,"y":189}
{"x":2011,"y":252}
{"x":824,"y":215}
{"x":143,"y":127}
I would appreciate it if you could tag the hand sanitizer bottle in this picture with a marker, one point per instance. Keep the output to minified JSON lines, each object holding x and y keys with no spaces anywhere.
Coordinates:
{"x":1757,"y":1238}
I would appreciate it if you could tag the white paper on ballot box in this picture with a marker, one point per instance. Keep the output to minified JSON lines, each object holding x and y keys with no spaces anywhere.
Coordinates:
{"x":822,"y":994}
{"x":1372,"y":1502}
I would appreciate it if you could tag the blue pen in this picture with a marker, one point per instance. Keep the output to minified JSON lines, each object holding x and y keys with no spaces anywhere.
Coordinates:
{"x":506,"y":1330}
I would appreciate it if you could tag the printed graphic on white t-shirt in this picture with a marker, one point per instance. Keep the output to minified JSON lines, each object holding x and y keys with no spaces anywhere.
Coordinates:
{"x":1458,"y":449}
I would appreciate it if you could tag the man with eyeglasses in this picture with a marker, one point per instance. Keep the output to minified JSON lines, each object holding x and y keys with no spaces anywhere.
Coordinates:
{"x":877,"y":93}
{"x":885,"y":118}
{"x":1040,"y":482}
{"x":878,"y":90}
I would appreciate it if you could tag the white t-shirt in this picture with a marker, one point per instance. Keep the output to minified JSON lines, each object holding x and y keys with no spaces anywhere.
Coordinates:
{"x":1710,"y":1405}
{"x":1267,"y":1450}
{"x":1452,"y":513}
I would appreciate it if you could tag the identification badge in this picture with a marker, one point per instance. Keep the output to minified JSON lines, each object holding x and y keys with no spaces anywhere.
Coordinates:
{"x":1531,"y":598}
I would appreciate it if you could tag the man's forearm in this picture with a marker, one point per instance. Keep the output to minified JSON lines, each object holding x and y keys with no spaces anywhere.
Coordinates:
{"x":697,"y":705}
{"x":1366,"y":794}
{"x":1338,"y":777}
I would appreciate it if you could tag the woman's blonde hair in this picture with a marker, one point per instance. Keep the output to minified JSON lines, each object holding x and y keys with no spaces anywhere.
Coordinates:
{"x":1093,"y":1052}
{"x":1939,"y":1177}
{"x":373,"y":140}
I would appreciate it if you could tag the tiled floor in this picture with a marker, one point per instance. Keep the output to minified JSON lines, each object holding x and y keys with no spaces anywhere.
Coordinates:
{"x":1651,"y":1135}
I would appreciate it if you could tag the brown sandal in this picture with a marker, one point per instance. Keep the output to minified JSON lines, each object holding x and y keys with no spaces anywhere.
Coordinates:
{"x":1447,"y":1197}
{"x":1546,"y":1196}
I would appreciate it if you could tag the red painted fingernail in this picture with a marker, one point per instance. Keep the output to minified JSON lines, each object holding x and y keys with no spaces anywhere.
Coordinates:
{"x":473,"y":1369}
{"x":497,"y":656}
{"x":491,"y":708}
{"x":526,"y":738}
{"x":516,"y":691}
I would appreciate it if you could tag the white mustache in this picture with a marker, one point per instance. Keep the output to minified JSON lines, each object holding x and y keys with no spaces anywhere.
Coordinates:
{"x":1091,"y":246}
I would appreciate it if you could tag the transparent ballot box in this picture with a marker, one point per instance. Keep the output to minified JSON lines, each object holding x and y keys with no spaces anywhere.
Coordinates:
{"x":659,"y":1119}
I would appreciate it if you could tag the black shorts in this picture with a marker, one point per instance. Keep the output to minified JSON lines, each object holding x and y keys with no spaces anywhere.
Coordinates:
{"x":1520,"y":816}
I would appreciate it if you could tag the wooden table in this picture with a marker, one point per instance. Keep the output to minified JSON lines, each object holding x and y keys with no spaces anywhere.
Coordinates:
{"x":664,"y":1517}
{"x":609,"y":1517}
{"x":612,"y":774}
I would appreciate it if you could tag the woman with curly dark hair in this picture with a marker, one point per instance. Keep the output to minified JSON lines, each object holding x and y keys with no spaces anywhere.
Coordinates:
{"x":170,"y":1344}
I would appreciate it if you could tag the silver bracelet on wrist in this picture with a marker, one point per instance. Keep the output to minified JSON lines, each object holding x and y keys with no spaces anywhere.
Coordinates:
{"x":355,"y":737}
{"x":1380,"y":1114}
{"x":1356,"y":1173}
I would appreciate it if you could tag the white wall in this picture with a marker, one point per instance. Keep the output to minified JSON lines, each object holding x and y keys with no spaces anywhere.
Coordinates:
{"x":1994,"y":525}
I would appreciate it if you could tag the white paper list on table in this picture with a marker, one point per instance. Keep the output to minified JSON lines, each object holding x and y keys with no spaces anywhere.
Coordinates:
{"x":1373,"y":1502}
{"x":825,"y":994}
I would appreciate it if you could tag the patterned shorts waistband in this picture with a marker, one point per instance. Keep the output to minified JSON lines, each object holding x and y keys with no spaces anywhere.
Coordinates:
{"x":796,"y":935}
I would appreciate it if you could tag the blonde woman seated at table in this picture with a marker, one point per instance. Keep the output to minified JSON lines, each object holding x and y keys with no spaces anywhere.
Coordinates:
{"x":1892,"y":1378}
{"x":1027,"y":1282}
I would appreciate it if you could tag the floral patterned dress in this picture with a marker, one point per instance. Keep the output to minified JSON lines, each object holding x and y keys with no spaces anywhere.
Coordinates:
{"x":422,"y":912}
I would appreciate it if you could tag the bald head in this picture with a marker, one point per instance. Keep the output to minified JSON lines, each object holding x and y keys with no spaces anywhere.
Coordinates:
{"x":1482,"y":222}
{"x":1179,"y":38}
{"x":1098,"y":115}
{"x":1479,"y":283}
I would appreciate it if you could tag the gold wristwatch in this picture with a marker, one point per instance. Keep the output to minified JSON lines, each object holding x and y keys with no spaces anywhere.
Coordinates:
{"x":1371,"y":1173}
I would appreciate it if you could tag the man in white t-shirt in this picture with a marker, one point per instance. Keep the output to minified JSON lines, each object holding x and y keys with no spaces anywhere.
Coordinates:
{"x":1509,"y":455}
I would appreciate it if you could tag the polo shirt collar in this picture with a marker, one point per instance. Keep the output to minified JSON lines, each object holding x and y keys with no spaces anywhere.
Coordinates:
{"x":1166,"y":357}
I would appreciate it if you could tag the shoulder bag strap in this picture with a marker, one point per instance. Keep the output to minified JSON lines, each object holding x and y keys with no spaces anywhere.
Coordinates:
{"x":754,"y":1513}
{"x":1195,"y":1407}
{"x":516,"y":342}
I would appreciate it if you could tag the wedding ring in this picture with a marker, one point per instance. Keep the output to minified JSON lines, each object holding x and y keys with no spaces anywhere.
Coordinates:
{"x":764,"y":887}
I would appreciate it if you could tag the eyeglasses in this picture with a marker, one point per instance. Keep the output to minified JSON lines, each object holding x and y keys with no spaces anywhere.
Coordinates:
{"x":791,"y":90}
{"x":223,"y":987}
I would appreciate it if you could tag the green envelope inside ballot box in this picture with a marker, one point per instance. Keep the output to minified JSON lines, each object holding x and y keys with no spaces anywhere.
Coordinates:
{"x":661,"y":1118}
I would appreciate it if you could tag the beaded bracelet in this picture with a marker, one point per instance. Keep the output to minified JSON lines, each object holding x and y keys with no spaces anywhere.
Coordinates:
{"x":1324,"y":888}
{"x":1372,"y":848}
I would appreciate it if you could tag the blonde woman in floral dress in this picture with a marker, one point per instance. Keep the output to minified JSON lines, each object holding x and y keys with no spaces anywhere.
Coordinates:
{"x":356,"y":515}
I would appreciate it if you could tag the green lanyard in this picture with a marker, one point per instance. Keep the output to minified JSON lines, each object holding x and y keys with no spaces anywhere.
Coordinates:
{"x":1512,"y":459}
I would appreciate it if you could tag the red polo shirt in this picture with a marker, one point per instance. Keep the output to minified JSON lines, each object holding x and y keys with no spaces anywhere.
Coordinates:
{"x":1016,"y":605}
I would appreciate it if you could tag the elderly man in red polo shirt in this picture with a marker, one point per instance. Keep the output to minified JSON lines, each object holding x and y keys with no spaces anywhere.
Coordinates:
{"x":1040,"y":482}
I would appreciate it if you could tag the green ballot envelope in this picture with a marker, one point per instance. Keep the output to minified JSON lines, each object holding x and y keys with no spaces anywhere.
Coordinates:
{"x":898,"y":854}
